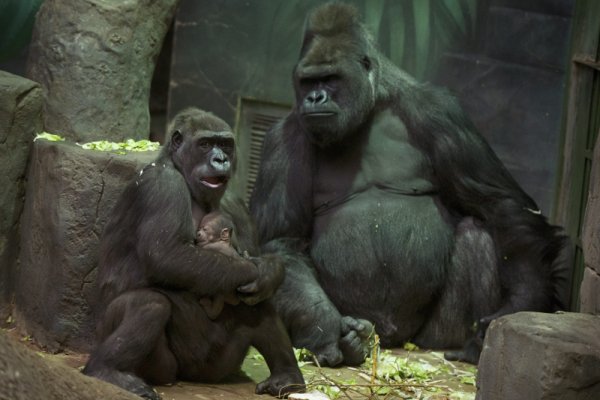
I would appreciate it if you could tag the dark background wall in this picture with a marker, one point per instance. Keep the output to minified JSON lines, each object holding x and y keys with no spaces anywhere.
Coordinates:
{"x":505,"y":59}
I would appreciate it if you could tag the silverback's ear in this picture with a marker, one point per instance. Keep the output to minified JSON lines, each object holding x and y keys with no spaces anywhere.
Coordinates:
{"x":176,"y":139}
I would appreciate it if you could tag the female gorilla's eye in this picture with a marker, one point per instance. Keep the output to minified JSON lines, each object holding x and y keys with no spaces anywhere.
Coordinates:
{"x":204,"y":144}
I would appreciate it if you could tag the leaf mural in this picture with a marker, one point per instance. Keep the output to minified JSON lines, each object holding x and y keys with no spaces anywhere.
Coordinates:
{"x":16,"y":24}
{"x":415,"y":33}
{"x":412,"y":33}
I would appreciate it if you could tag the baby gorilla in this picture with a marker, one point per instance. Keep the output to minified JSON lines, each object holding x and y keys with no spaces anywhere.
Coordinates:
{"x":216,"y":233}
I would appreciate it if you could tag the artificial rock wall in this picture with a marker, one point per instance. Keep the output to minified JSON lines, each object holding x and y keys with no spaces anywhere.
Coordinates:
{"x":95,"y":60}
{"x":70,"y":194}
{"x":589,"y":294}
{"x":20,"y":120}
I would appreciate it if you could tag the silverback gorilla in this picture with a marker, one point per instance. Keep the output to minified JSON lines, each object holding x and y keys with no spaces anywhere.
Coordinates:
{"x":389,"y":207}
{"x":152,"y":277}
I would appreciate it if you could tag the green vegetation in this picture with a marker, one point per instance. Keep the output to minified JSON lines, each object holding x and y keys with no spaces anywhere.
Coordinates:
{"x":408,"y":373}
{"x":129,"y":145}
{"x":49,"y":137}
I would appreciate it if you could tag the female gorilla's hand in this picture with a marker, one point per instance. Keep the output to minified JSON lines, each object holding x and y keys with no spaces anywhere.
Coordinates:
{"x":270,"y":276}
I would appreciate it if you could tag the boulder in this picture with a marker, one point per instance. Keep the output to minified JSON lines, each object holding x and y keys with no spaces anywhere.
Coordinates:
{"x":95,"y":60}
{"x":70,"y":193}
{"x":25,"y":375}
{"x":590,"y":286}
{"x":589,"y":293}
{"x":20,"y":119}
{"x":530,"y":355}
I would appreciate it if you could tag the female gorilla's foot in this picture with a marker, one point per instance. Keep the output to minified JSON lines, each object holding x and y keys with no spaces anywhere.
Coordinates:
{"x":125,"y":380}
{"x":282,"y":384}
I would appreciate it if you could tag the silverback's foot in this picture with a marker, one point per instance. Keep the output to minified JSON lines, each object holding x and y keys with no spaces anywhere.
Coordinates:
{"x":329,"y":356}
{"x":354,"y":342}
{"x":469,"y":353}
{"x":125,"y":381}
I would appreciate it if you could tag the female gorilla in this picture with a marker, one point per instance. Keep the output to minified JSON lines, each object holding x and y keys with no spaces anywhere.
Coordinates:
{"x":388,"y":206}
{"x":152,"y":277}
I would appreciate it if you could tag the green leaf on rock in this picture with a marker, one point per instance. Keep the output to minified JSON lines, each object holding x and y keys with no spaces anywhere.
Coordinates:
{"x":49,"y":136}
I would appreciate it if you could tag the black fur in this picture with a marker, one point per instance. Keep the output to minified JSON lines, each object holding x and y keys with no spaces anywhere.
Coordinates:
{"x":151,"y":275}
{"x":389,"y":206}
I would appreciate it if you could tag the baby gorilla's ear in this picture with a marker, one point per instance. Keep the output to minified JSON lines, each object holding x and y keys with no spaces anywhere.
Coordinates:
{"x":226,"y":234}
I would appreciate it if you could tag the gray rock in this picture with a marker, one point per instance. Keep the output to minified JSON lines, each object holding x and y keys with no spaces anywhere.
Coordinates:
{"x":591,"y":225}
{"x":589,"y":294}
{"x":70,"y":193}
{"x":95,"y":60}
{"x":590,"y":286}
{"x":20,"y":119}
{"x":531,"y":356}
{"x":25,"y":375}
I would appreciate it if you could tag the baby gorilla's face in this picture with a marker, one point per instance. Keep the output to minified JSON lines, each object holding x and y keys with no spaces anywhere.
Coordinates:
{"x":207,"y":234}
{"x":212,"y":232}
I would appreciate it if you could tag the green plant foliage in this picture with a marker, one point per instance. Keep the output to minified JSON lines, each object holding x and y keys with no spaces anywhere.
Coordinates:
{"x":415,"y":33}
{"x":408,"y":346}
{"x":127,"y":146}
{"x":395,"y":377}
{"x":49,"y":137}
{"x":416,"y":374}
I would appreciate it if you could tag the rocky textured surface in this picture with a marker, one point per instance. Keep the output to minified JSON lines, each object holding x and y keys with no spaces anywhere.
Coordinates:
{"x":20,"y":120}
{"x":25,"y":375}
{"x":95,"y":60}
{"x":590,"y":287}
{"x":70,"y":193}
{"x":531,"y":355}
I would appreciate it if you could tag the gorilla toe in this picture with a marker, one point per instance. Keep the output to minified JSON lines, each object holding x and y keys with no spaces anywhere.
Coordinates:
{"x":281,"y":385}
{"x":126,"y":381}
{"x":354,"y":342}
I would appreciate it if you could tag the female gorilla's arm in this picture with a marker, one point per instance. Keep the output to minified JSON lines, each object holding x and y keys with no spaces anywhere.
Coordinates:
{"x":270,"y":266}
{"x":166,"y":239}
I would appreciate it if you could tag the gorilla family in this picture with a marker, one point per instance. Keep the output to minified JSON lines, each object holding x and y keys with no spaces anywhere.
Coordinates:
{"x":153,"y":277}
{"x":387,"y":206}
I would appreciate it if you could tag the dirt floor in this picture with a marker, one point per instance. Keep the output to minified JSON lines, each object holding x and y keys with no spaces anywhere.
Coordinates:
{"x":401,"y":374}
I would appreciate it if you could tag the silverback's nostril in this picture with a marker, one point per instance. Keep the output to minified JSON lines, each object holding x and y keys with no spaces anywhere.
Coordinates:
{"x":316,"y":97}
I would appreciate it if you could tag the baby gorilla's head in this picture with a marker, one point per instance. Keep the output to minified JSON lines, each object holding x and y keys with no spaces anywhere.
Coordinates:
{"x":215,"y":227}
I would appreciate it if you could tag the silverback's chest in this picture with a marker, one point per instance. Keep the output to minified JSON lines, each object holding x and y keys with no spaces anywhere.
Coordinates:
{"x":381,"y":158}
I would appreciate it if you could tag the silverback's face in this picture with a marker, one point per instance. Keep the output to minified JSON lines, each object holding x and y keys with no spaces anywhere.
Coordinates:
{"x":334,"y":82}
